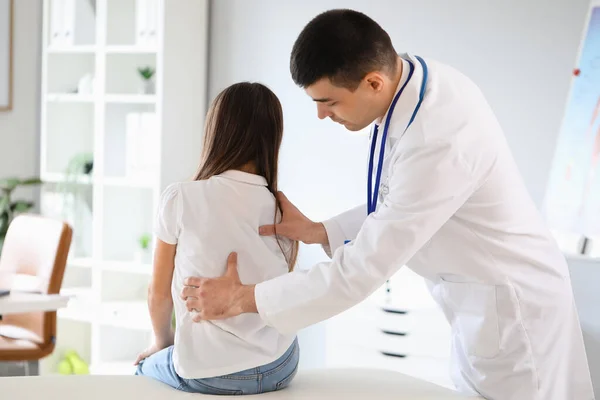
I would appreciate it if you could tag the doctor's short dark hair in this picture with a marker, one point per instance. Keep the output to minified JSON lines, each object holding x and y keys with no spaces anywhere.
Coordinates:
{"x":342,"y":45}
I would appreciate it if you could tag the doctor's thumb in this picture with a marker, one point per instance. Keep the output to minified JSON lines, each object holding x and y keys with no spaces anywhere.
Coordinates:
{"x":232,"y":271}
{"x":282,"y":198}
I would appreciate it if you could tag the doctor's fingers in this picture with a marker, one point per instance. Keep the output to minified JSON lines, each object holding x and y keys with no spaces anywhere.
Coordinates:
{"x":284,"y":202}
{"x":192,"y":304}
{"x":287,"y":230}
{"x":193,"y":281}
{"x":267,"y":230}
{"x":191,"y":291}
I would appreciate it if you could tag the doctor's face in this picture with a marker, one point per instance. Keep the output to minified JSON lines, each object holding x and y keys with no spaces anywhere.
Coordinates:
{"x":353,"y":109}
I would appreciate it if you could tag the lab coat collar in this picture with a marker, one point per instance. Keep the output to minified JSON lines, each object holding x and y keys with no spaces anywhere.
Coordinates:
{"x":244,"y":177}
{"x":407,"y":102}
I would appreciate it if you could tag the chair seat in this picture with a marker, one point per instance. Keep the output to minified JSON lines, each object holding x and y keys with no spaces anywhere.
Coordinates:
{"x":16,"y":344}
{"x":17,"y":332}
{"x":347,"y":384}
{"x":20,"y":350}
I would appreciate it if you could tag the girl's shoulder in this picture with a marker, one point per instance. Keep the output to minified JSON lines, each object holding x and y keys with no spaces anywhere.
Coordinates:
{"x":173,"y":189}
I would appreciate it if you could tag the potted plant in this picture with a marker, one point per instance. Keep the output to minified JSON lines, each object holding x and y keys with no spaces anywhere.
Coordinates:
{"x":147,"y":73}
{"x":9,"y":208}
{"x":142,"y":254}
{"x":79,"y":165}
{"x":77,"y":199}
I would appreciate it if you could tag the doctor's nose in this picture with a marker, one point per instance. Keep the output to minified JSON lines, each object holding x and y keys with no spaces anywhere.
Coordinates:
{"x":323,"y":111}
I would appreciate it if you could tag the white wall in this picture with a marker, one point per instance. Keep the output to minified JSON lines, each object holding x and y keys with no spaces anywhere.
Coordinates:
{"x":19,"y":128}
{"x":521,"y":53}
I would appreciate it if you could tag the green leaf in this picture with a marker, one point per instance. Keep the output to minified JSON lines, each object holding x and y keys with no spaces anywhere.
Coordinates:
{"x":146,"y":72}
{"x":3,"y":204}
{"x":3,"y":225}
{"x":9,"y":184}
{"x":31,"y":181}
{"x":21,"y":206}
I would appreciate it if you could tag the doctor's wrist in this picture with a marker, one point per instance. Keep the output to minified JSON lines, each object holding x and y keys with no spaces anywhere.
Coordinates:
{"x":319,"y":234}
{"x":244,"y":300}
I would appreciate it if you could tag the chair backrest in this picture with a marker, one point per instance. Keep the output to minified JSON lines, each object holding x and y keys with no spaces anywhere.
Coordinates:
{"x":33,"y":258}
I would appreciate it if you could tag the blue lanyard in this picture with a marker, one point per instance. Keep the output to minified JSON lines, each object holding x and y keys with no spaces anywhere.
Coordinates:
{"x":372,"y":197}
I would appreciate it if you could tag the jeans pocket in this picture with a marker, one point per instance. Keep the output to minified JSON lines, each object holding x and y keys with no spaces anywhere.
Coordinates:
{"x":201,"y":386}
{"x":286,"y":381}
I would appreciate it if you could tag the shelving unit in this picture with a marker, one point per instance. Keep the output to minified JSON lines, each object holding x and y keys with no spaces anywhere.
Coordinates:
{"x":109,"y":146}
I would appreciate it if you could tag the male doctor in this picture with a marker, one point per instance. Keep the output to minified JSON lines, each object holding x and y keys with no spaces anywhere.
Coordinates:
{"x":445,"y":199}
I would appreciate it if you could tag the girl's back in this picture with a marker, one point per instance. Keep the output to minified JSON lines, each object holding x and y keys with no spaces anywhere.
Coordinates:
{"x":209,"y":219}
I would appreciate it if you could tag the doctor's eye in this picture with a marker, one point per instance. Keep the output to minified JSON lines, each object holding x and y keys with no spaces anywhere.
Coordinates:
{"x":333,"y":104}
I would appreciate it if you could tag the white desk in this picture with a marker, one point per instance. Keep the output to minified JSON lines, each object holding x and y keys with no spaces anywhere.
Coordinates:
{"x":20,"y":302}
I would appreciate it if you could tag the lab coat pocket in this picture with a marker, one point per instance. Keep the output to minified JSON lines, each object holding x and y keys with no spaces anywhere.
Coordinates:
{"x":475,"y":316}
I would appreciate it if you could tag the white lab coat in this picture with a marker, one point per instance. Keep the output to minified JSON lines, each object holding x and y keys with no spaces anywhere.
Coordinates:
{"x":454,"y":209}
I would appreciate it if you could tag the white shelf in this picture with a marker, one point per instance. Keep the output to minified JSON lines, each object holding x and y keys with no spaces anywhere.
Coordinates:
{"x":80,"y":307}
{"x":128,"y":183}
{"x":130,"y":98}
{"x":69,"y":98}
{"x":128,"y":314}
{"x":130,"y":50}
{"x":112,"y":208}
{"x":54,"y":177}
{"x":127,"y":267}
{"x":81,"y":262}
{"x":113,"y":368}
{"x":75,"y":314}
{"x":82,"y":49}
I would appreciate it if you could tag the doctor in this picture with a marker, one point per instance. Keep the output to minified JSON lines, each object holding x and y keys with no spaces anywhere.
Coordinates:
{"x":444,"y":198}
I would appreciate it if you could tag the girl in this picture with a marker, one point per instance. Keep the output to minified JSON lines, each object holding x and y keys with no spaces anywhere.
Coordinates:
{"x":198,"y":224}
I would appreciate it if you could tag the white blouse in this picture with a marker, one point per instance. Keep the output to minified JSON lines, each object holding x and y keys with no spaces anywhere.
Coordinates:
{"x":207,"y":220}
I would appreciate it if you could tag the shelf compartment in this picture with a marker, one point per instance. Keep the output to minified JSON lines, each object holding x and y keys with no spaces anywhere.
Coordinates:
{"x":122,"y":75}
{"x":119,"y":347}
{"x":128,"y":214}
{"x":66,"y":70}
{"x":132,"y":22}
{"x":72,"y":203}
{"x":71,"y":23}
{"x":122,"y":286}
{"x":69,"y":135}
{"x":132,"y":145}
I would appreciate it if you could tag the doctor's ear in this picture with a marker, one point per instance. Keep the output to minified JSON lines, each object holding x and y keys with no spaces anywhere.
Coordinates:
{"x":375,"y":81}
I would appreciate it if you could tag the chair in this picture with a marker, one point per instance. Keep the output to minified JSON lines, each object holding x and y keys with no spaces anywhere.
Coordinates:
{"x":33,"y":258}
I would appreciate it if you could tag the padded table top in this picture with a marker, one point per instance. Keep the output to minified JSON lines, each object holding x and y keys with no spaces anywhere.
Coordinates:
{"x":349,"y":384}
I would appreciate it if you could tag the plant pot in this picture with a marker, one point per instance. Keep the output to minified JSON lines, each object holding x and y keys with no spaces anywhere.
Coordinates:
{"x":148,"y":87}
{"x":142,"y":256}
{"x":88,"y":167}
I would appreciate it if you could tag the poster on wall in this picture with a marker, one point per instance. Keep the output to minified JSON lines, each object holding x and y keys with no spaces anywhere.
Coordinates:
{"x":6,"y":21}
{"x":572,"y":201}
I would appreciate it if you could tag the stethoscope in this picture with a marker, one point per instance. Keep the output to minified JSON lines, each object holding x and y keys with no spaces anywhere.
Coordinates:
{"x":372,"y":197}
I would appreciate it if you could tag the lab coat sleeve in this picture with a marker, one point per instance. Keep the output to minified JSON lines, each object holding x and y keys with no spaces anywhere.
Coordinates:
{"x":429,"y":184}
{"x":344,"y":227}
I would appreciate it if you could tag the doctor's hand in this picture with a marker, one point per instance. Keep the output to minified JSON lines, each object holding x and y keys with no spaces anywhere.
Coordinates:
{"x":295,"y":225}
{"x":219,"y":298}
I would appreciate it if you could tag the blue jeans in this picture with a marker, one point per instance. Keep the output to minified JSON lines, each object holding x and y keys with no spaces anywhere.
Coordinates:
{"x":266,"y":378}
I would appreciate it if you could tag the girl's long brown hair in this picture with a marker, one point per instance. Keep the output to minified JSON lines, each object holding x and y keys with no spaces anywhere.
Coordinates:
{"x":245,"y":125}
